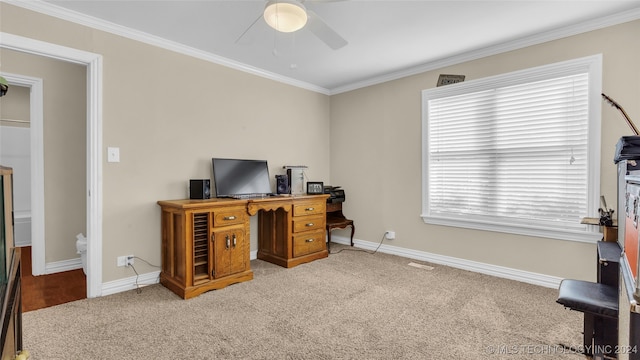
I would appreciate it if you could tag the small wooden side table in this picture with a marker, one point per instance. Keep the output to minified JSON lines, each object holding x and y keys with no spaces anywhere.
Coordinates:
{"x":337,"y":220}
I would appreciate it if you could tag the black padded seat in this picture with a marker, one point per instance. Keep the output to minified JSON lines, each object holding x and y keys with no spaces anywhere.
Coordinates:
{"x":599,"y":304}
{"x":590,"y":297}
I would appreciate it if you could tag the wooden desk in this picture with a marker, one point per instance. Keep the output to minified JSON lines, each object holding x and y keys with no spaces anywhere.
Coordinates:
{"x":290,"y":229}
{"x":206,"y":243}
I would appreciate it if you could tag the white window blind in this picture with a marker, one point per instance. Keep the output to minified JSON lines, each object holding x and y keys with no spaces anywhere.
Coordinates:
{"x":514,"y":155}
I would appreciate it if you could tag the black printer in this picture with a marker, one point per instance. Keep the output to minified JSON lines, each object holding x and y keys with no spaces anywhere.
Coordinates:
{"x":336,"y":194}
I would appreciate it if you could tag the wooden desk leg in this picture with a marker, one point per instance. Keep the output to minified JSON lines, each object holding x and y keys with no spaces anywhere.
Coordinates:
{"x":353,"y":230}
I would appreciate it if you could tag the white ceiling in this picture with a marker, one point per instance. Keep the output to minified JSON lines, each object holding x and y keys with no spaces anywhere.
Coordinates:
{"x":387,"y":39}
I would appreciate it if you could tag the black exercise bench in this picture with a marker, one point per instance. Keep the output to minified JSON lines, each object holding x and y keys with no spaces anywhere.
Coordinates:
{"x":598,"y":301}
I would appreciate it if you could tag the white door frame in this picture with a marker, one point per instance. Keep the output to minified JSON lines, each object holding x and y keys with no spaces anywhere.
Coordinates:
{"x":93,"y":62}
{"x":36,"y":134}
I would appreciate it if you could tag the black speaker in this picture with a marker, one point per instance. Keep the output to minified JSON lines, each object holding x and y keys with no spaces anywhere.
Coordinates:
{"x":282,"y":186}
{"x":200,"y":189}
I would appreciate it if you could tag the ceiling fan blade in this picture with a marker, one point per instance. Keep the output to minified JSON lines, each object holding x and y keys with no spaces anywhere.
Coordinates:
{"x":324,"y":32}
{"x":249,"y":28}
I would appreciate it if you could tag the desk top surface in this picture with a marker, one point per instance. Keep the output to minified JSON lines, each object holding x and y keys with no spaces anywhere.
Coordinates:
{"x":199,"y":203}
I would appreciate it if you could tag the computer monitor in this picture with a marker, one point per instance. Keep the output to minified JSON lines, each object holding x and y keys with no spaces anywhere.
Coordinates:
{"x":241,"y":177}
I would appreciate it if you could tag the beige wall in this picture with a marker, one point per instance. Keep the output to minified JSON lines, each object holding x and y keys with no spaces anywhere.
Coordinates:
{"x":170,"y":114}
{"x":16,"y":106}
{"x":376,"y":155}
{"x":64,"y":94}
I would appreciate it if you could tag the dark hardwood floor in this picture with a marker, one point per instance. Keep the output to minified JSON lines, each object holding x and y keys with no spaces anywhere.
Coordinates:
{"x":48,"y":290}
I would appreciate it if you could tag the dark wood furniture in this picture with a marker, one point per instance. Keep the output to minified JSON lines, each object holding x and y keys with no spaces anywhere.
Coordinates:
{"x":206,"y":243}
{"x":10,"y":279}
{"x":11,"y":316}
{"x":337,"y":220}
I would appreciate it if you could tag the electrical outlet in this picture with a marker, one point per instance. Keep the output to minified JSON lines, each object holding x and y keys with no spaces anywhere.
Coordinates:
{"x":390,"y":235}
{"x":125,"y":260}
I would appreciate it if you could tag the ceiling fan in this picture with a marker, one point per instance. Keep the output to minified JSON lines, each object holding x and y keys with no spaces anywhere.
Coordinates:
{"x":291,"y":15}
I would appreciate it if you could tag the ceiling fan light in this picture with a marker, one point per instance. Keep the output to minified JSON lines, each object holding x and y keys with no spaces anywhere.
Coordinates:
{"x":285,"y":16}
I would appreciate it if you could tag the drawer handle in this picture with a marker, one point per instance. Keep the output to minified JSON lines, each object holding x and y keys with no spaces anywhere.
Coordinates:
{"x":235,"y":240}
{"x":228,"y":242}
{"x":309,"y":209}
{"x":309,"y":240}
{"x":309,"y":224}
{"x":229,"y":217}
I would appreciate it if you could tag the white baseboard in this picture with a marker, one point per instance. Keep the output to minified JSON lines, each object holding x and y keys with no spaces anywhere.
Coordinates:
{"x":130,"y":283}
{"x":483,"y":268}
{"x":110,"y":287}
{"x":64,"y":265}
{"x":22,"y":242}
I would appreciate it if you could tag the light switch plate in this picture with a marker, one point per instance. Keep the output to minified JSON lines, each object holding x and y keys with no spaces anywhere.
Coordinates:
{"x":113,"y":154}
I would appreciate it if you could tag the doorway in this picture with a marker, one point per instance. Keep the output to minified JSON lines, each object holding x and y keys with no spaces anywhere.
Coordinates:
{"x":93,"y":63}
{"x":36,"y":165}
{"x":15,"y":152}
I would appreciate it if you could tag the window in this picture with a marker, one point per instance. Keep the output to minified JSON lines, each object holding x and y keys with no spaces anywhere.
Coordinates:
{"x":516,"y":153}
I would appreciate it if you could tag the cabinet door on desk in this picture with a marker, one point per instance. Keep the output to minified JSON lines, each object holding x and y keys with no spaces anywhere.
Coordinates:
{"x":229,"y":251}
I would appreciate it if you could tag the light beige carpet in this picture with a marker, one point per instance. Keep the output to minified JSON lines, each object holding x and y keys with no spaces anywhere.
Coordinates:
{"x":352,"y":305}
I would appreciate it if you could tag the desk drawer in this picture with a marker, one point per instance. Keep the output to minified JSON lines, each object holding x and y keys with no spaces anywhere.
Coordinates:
{"x":308,"y":223}
{"x":309,"y":208}
{"x":308,"y":243}
{"x":229,"y":216}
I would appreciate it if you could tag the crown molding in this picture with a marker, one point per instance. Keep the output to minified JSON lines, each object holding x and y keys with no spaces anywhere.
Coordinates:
{"x":99,"y":24}
{"x":496,"y":49}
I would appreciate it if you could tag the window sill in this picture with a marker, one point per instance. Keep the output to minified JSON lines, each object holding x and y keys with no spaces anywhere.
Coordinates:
{"x":518,"y":229}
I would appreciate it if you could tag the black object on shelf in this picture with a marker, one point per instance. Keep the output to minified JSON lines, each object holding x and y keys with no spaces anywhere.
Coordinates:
{"x":627,"y":148}
{"x":336,"y":194}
